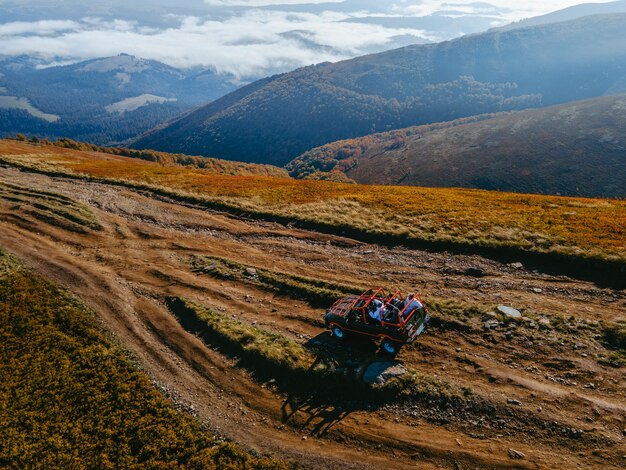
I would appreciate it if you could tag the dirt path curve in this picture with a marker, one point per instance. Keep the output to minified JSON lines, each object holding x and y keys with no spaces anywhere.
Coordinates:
{"x":141,"y":254}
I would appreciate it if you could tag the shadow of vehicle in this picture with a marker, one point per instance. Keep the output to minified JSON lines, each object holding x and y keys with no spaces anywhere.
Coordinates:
{"x":343,"y":351}
{"x":343,"y":391}
{"x":317,"y":417}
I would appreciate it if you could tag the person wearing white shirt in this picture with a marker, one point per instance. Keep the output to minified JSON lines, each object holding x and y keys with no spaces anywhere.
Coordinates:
{"x":376,"y":310}
{"x":411,"y":303}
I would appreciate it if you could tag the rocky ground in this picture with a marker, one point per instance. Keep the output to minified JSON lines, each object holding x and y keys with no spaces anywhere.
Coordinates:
{"x":539,"y":391}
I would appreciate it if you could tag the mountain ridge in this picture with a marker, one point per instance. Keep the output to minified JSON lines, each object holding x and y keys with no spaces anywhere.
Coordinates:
{"x":574,"y":149}
{"x":276,"y":120}
{"x":568,"y":14}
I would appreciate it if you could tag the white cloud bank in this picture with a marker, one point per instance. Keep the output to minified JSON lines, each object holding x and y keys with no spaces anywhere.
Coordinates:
{"x":42,"y":28}
{"x":510,"y":10}
{"x":243,"y":45}
{"x":264,"y":3}
{"x":252,"y":41}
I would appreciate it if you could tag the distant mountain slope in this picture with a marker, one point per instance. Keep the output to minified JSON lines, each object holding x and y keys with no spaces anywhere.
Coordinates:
{"x":102,"y":100}
{"x":570,"y":13}
{"x":573,"y":149}
{"x":275,"y":120}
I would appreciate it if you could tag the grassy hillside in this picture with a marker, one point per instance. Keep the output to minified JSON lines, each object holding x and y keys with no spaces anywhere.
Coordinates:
{"x":212,"y":165}
{"x":277,"y":119}
{"x":501,"y":223}
{"x":69,"y":397}
{"x":570,"y":13}
{"x":573,"y":149}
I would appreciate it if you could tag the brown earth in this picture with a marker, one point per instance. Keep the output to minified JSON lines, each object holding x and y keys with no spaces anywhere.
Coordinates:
{"x":546,"y":397}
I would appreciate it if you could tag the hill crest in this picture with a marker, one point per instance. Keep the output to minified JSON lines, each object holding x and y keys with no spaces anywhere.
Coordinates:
{"x":572,"y":149}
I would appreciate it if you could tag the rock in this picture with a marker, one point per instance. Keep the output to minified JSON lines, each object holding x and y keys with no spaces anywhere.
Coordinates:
{"x":575,"y":433}
{"x":474,"y":272}
{"x":248,"y":298}
{"x":304,"y":438}
{"x":508,"y":335}
{"x":492,"y":324}
{"x":380,"y":372}
{"x":517,"y":265}
{"x":544,"y":322}
{"x":509,"y":312}
{"x":537,"y":290}
{"x":516,"y":454}
{"x":513,"y":401}
{"x":251,"y":271}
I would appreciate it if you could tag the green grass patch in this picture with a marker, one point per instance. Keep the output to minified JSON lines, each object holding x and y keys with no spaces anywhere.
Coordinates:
{"x":615,"y":335}
{"x":615,"y":359}
{"x":615,"y":338}
{"x":8,"y":263}
{"x":317,"y":292}
{"x":265,"y":347}
{"x":420,"y":386}
{"x":70,"y":398}
{"x":453,"y":314}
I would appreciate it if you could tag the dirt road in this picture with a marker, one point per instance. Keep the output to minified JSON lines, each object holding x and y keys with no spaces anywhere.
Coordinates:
{"x":539,"y":403}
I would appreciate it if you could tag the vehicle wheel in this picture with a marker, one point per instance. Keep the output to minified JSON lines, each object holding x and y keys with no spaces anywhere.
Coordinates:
{"x":389,"y":347}
{"x":338,"y":332}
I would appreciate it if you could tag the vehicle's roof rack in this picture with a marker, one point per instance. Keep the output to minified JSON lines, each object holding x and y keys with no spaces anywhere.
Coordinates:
{"x":363,"y":301}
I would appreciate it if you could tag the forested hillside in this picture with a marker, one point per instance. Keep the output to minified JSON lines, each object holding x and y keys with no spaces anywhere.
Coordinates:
{"x":104,"y":101}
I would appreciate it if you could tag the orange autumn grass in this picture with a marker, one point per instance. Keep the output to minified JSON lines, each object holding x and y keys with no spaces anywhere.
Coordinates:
{"x":580,"y":228}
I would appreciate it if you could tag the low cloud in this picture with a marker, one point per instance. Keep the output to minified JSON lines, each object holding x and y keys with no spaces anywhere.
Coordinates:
{"x":509,"y":10}
{"x":264,"y":3}
{"x":41,"y":28}
{"x":247,"y":45}
{"x":244,"y":38}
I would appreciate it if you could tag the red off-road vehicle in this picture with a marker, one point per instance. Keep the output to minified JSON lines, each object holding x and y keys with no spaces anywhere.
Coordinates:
{"x":393,"y":318}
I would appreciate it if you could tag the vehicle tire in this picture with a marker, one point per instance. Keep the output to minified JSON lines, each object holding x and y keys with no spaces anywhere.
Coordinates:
{"x":338,"y":332}
{"x":389,"y":347}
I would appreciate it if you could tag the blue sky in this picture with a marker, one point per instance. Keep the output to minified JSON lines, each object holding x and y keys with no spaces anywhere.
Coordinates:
{"x":246,"y":38}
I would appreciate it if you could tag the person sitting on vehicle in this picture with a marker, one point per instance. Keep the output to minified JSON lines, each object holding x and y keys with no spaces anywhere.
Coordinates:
{"x":391,"y":313}
{"x":398,"y":303}
{"x":376,"y":310}
{"x":411,"y":303}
